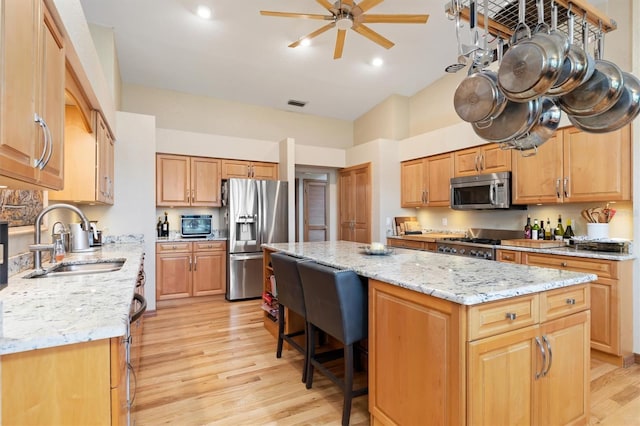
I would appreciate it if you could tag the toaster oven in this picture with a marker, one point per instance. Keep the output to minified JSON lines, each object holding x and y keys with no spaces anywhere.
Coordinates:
{"x":195,"y":225}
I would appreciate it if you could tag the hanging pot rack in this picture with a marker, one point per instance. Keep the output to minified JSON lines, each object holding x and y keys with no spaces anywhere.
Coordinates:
{"x":503,"y":15}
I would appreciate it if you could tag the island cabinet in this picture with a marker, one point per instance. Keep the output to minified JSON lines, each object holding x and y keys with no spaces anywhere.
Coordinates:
{"x":521,"y":360}
{"x":78,"y":384}
{"x":185,"y":269}
{"x":32,"y":73}
{"x":574,"y":166}
{"x":187,"y":181}
{"x":249,"y":169}
{"x":489,"y":158}
{"x":425,"y":181}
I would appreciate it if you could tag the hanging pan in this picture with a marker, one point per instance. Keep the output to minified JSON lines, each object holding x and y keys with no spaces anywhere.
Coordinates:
{"x":515,"y":120}
{"x":545,"y":126}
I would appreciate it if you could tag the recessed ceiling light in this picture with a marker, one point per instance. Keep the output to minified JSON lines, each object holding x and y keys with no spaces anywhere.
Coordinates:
{"x":305,"y":42}
{"x":377,"y":62}
{"x":204,"y":12}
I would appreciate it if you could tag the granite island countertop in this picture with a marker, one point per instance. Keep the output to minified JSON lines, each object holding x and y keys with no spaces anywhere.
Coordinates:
{"x":39,"y":313}
{"x":457,"y":279}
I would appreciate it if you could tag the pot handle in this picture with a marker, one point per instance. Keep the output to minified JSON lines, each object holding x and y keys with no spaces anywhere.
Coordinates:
{"x":522,"y":26}
{"x":484,"y":124}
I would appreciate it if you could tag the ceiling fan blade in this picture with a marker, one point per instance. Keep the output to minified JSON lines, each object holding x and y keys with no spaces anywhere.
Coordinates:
{"x":337,"y":53}
{"x":313,"y":34}
{"x":325,"y":4}
{"x":373,"y":36}
{"x":295,"y":15}
{"x":395,"y":19}
{"x":365,"y":5}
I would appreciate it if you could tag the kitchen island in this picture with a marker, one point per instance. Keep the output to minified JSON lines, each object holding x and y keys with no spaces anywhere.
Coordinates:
{"x":465,"y":341}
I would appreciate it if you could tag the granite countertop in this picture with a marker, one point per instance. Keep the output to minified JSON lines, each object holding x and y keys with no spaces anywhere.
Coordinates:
{"x":46,"y":312}
{"x":428,"y":237}
{"x":458,"y":279}
{"x":571,"y":251}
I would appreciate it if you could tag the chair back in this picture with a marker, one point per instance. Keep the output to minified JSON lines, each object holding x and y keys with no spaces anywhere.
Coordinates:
{"x":336,"y":301}
{"x":288,"y":284}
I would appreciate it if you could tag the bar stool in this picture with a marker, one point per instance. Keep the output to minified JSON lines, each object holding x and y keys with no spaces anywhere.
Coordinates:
{"x":336,"y":302}
{"x":290,"y":295}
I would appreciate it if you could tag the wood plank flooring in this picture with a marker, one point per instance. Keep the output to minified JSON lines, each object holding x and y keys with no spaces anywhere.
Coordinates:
{"x":208,"y":361}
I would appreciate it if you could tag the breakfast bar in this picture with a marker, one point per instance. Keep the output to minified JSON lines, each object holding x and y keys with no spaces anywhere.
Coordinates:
{"x":464,"y":341}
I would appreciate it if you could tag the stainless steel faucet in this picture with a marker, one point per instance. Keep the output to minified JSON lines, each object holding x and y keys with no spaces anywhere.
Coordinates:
{"x":37,"y":247}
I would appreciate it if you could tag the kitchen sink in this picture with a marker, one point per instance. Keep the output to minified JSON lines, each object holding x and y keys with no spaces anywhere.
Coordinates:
{"x":85,"y":268}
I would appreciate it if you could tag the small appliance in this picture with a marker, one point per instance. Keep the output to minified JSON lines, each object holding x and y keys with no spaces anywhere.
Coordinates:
{"x":195,"y":225}
{"x":482,"y":192}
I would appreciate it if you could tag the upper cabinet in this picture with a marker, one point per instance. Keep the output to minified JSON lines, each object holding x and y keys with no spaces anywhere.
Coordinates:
{"x":575,"y":166}
{"x":487,"y":158}
{"x":425,"y":181}
{"x":31,"y":95}
{"x":249,"y":169}
{"x":187,"y":181}
{"x":104,"y":162}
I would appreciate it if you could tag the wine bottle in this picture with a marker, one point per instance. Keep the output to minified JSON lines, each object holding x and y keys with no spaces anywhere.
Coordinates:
{"x":165,"y":226}
{"x":559,"y":232}
{"x":535,"y":230}
{"x":159,"y":226}
{"x":568,"y":232}
{"x":548,"y":230}
{"x":527,"y":228}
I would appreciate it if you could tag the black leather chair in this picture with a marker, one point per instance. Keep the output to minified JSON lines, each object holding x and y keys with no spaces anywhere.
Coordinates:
{"x":336,"y":302}
{"x":290,"y":296}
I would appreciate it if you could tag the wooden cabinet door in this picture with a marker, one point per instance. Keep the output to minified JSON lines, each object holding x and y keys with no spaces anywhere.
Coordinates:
{"x":412,"y":183}
{"x":104,"y":162}
{"x":264,"y":171}
{"x":173,"y":275}
{"x":493,"y":159}
{"x":51,"y":100}
{"x":466,"y":162}
{"x":597,"y":167}
{"x":18,"y":131}
{"x":538,"y":178}
{"x":564,"y":388}
{"x":501,"y":379}
{"x":172,"y":180}
{"x":439,"y":174}
{"x":604,"y":315}
{"x":209,"y":272}
{"x":235,"y":169}
{"x":205,"y":182}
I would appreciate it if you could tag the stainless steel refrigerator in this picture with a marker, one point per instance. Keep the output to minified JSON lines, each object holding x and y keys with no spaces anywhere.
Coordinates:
{"x":255,"y":212}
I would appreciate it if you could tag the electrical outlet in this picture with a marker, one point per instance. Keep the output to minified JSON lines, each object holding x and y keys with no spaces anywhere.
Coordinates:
{"x":444,"y":221}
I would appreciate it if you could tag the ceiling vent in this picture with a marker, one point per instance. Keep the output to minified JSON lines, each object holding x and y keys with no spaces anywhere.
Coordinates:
{"x":295,"y":103}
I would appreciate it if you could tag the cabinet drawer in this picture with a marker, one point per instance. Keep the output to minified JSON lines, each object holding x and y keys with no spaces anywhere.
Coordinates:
{"x":209,"y":245}
{"x":174,"y":247}
{"x":509,"y":256}
{"x":411,"y":244}
{"x":602,"y":268}
{"x":564,"y":301}
{"x":498,"y":317}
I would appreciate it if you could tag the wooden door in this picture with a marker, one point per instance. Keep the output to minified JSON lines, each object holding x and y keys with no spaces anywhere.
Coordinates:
{"x":597,"y":167}
{"x":205,"y":182}
{"x":466,"y":162}
{"x":173,"y":275}
{"x":346,"y":183}
{"x":172,"y":180}
{"x":564,"y":389}
{"x":315,"y":213}
{"x":412,"y":183}
{"x":355,"y":203}
{"x":264,"y":171}
{"x":538,"y":178}
{"x":18,"y":131}
{"x":439,"y":173}
{"x":209,"y":272}
{"x":501,"y":378}
{"x":493,"y":159}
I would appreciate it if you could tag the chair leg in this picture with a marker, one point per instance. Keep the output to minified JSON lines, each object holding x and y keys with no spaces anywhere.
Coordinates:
{"x":305,"y":367}
{"x":280,"y":330}
{"x":348,"y":384}
{"x":311,"y":351}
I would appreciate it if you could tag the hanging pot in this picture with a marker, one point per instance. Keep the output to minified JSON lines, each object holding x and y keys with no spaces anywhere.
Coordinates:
{"x":516,"y":119}
{"x":622,"y":113}
{"x":531,"y":67}
{"x":545,"y":126}
{"x":578,"y":65}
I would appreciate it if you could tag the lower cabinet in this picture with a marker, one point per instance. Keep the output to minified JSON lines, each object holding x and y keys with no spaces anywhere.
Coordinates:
{"x":523,"y":360}
{"x":611,"y":299}
{"x":185,"y":269}
{"x":412,"y":244}
{"x":79,"y":384}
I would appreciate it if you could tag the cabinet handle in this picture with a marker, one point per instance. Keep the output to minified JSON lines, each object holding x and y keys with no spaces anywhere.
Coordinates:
{"x":511,"y":316}
{"x":482,"y":161}
{"x":193,"y":196}
{"x":426,"y":201}
{"x":508,"y":256}
{"x":190,"y":264}
{"x":571,"y":301}
{"x":195,"y":263}
{"x":546,"y":342}
{"x":558,"y":188}
{"x":39,"y":163}
{"x":563,"y":264}
{"x":475,"y":163}
{"x":565,"y":186}
{"x":544,"y":358}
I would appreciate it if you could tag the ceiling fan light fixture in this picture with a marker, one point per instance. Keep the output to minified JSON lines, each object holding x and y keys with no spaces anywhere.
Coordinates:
{"x":344,"y":21}
{"x":377,"y":62}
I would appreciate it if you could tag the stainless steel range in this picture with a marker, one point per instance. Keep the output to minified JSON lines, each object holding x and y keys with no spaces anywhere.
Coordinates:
{"x":480,"y":243}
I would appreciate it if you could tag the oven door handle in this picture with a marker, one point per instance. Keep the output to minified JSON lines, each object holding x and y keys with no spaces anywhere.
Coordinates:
{"x":141,"y":310}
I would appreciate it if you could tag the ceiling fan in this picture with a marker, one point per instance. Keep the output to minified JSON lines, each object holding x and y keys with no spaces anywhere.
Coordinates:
{"x":345,"y":14}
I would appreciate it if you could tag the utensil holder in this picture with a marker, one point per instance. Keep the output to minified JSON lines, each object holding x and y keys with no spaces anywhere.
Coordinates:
{"x":597,"y":230}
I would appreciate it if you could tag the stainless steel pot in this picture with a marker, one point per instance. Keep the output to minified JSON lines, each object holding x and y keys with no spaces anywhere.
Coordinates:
{"x":543,"y":129}
{"x":516,"y":119}
{"x":478,"y":97}
{"x":623,"y":112}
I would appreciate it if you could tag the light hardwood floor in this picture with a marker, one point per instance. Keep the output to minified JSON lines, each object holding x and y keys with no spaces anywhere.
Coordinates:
{"x":208,"y":361}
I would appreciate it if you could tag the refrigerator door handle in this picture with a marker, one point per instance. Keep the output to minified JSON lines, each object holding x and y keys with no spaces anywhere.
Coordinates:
{"x":249,"y":256}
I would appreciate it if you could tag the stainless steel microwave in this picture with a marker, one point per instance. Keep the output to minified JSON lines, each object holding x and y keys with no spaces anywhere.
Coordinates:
{"x":195,"y":225}
{"x":489,"y":191}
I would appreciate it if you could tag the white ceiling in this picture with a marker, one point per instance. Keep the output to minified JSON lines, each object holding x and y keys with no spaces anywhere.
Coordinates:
{"x":242,"y":56}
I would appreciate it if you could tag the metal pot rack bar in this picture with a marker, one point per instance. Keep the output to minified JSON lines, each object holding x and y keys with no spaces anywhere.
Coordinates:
{"x":503,"y":16}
